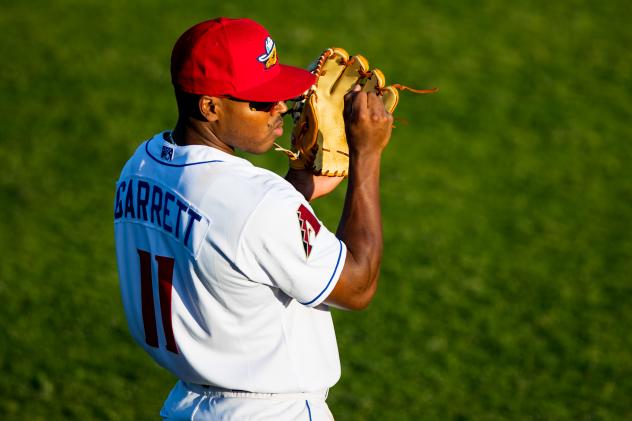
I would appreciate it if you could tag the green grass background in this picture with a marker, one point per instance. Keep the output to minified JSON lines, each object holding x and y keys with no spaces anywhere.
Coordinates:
{"x":507,"y":203}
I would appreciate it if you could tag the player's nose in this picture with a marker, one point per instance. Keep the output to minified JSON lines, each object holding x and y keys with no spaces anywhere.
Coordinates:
{"x":280,"y":107}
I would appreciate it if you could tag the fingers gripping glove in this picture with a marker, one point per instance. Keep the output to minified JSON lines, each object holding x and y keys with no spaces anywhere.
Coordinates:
{"x":319,"y":142}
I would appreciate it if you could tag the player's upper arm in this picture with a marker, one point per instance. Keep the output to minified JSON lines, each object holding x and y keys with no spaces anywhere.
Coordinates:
{"x":356,"y":287}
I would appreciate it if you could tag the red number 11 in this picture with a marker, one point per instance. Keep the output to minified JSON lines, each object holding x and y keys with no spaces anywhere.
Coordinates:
{"x":165,"y":284}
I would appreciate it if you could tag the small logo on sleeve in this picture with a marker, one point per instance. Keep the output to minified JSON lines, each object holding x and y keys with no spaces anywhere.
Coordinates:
{"x":309,"y":228}
{"x":269,"y":58}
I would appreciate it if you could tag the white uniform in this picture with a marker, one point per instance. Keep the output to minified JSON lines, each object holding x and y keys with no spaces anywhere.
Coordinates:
{"x":223,"y":268}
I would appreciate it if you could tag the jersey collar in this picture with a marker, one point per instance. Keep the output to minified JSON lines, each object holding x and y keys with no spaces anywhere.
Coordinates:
{"x":183,"y":156}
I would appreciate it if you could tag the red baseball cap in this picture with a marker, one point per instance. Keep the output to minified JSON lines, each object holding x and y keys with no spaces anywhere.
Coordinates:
{"x":235,"y":58}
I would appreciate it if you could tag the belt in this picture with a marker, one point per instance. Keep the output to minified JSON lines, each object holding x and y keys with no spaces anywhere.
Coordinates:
{"x":206,"y":389}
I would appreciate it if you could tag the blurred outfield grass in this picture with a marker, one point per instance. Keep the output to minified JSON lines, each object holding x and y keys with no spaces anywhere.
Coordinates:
{"x":507,"y":201}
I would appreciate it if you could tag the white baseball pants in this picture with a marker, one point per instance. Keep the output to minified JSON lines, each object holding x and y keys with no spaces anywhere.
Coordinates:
{"x":200,"y":403}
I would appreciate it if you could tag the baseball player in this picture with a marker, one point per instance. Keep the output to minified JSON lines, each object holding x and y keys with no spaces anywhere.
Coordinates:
{"x":226,"y":273}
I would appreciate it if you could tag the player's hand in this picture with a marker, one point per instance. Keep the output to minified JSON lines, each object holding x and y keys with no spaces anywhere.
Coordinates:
{"x":310,"y":185}
{"x":367,"y":123}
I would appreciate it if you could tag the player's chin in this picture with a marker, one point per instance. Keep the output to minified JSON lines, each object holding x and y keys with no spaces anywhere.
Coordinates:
{"x":274,"y":135}
{"x":262,"y":147}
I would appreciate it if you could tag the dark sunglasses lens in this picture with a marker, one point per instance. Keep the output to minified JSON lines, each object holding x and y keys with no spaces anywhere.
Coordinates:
{"x":262,"y":106}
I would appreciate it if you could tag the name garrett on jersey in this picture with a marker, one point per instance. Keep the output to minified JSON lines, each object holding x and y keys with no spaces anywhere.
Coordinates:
{"x":145,"y":202}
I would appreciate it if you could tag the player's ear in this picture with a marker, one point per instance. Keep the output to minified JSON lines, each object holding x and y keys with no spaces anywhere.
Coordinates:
{"x":208,"y":107}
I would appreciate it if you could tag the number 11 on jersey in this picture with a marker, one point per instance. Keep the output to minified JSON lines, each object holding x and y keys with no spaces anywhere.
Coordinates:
{"x":165,"y":285}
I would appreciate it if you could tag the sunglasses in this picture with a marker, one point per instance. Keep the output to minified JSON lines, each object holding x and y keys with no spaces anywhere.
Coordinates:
{"x":256,"y":105}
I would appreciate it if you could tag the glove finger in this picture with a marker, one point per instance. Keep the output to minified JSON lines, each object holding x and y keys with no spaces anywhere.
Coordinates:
{"x":390,"y":98}
{"x":389,"y":94}
{"x":351,"y":74}
{"x":330,"y":69}
{"x":375,"y":82}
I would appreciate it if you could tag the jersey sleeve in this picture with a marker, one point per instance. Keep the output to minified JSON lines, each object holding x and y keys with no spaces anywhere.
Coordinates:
{"x":284,"y":245}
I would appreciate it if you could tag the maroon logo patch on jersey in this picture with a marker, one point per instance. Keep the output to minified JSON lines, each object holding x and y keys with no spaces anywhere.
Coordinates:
{"x":309,"y":228}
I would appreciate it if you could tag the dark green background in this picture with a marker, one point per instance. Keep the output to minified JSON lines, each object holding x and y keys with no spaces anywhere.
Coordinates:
{"x":507,"y":200}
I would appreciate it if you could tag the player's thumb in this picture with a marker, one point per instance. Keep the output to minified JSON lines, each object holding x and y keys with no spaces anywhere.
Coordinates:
{"x":348,"y":99}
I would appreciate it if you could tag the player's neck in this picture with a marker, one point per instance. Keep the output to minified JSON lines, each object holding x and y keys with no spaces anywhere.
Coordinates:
{"x":194,"y":133}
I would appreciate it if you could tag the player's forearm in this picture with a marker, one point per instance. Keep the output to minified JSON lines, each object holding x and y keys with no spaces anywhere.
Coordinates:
{"x":360,"y":226}
{"x":301,"y":181}
{"x":361,"y":221}
{"x":311,"y":186}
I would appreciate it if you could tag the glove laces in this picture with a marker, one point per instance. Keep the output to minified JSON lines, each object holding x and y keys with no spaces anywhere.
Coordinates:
{"x":408,"y":88}
{"x":292,"y":155}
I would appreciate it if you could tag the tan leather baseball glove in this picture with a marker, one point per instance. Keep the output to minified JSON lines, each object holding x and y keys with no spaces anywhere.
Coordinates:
{"x":319,"y":142}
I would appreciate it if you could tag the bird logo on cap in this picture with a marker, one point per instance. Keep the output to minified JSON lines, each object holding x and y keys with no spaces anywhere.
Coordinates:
{"x":268,"y":59}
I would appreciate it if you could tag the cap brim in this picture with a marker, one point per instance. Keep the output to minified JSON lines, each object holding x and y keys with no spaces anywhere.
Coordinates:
{"x":290,"y":83}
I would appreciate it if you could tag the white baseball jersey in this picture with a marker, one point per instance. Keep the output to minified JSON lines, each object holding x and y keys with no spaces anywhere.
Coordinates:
{"x":223,"y":267}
